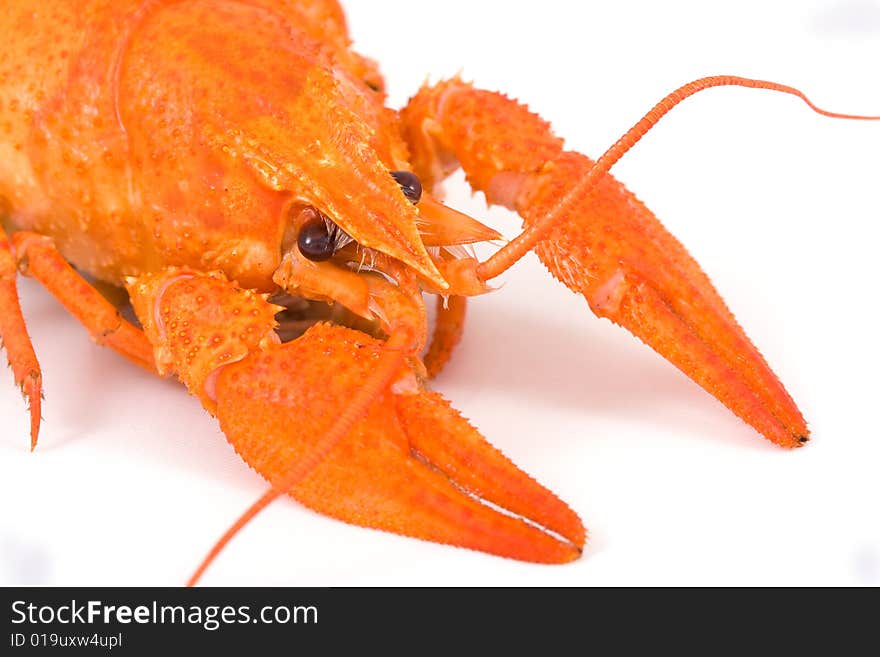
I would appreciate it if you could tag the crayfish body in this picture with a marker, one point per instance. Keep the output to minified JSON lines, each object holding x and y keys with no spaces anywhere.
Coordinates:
{"x":233,"y":166}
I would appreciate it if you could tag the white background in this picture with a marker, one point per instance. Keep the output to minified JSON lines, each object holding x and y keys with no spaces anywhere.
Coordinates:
{"x":133,"y":482}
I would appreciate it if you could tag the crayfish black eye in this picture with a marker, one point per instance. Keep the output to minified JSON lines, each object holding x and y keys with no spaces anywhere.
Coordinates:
{"x":409,"y":184}
{"x":317,"y":238}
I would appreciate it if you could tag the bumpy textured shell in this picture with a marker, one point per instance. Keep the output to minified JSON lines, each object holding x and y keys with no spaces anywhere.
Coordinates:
{"x":145,"y":134}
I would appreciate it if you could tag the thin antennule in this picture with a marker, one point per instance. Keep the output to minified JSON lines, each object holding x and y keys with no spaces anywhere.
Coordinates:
{"x":505,"y":257}
{"x":386,"y":369}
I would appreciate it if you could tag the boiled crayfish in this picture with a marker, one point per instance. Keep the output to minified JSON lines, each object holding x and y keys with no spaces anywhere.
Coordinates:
{"x":232,"y":166}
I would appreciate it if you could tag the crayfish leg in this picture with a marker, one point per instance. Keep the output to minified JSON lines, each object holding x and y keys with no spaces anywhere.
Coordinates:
{"x":15,"y":339}
{"x":35,"y":255}
{"x":39,"y":258}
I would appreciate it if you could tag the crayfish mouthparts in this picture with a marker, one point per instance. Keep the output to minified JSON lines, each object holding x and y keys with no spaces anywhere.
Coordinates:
{"x":297,"y":315}
{"x":322,"y":263}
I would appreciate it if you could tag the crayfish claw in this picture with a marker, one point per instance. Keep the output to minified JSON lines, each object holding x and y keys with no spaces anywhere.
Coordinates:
{"x":599,"y":239}
{"x":341,"y":421}
{"x":276,"y":405}
{"x":632,"y":271}
{"x":440,"y":436}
